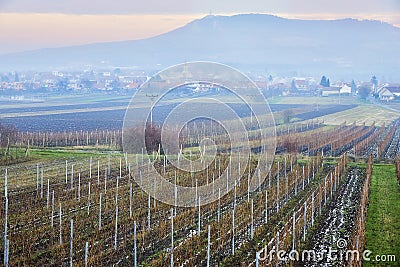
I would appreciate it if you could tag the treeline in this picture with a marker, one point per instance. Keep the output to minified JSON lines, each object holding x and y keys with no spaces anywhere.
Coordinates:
{"x":111,"y":139}
{"x":15,"y":146}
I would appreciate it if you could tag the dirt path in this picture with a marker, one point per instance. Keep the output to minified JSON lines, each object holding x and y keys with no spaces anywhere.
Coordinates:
{"x":337,"y":222}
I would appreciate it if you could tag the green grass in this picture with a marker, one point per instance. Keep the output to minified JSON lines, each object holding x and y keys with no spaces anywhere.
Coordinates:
{"x":44,"y":154}
{"x":365,"y":113}
{"x":57,"y":154}
{"x":383,"y":217}
{"x":393,"y":104}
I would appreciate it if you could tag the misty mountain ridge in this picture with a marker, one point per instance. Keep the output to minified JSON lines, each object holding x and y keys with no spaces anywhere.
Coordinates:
{"x":346,"y":48}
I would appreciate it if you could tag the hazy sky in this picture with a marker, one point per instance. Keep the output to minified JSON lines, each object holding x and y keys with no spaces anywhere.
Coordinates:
{"x":28,"y":24}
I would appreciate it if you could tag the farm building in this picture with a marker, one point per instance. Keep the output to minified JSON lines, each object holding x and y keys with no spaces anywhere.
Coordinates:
{"x":335,"y":90}
{"x":389,"y":92}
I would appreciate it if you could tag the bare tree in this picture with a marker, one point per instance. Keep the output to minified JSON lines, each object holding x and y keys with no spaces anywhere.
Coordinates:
{"x":287,"y":115}
{"x":8,"y":137}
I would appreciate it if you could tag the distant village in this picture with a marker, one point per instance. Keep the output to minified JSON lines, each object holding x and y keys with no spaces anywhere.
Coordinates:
{"x":15,"y":84}
{"x":74,"y":82}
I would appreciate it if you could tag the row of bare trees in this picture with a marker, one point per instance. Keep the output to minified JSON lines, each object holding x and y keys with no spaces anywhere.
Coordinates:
{"x":383,"y":145}
{"x":361,"y":146}
{"x":336,"y":140}
{"x":293,"y":232}
{"x":100,"y":138}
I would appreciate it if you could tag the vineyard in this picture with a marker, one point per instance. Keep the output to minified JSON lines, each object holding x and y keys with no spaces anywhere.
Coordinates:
{"x":84,"y":205}
{"x":305,"y":138}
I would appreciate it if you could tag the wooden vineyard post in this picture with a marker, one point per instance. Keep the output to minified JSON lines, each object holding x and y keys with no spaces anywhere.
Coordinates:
{"x":227,"y":182}
{"x":286,"y":184}
{"x":248,"y":187}
{"x":37,"y":178}
{"x":199,"y":220}
{"x":175,"y":197}
{"x":100,"y":213}
{"x":208,"y":246}
{"x":175,"y":191}
{"x":134,"y":245}
{"x":266,"y":206}
{"x":172,"y":238}
{"x":294,"y":230}
{"x":6,"y":242}
{"x":219,"y":165}
{"x":90,"y":168}
{"x":207,"y":174}
{"x":7,"y":250}
{"x":233,"y":231}
{"x":230,"y":166}
{"x":257,"y":257}
{"x":72,"y":176}
{"x":234,"y":195}
{"x":71,"y":242}
{"x":105,"y":182}
{"x":154,"y":192}
{"x":312,"y":209}
{"x":116,"y":228}
{"x":277,"y":245}
{"x":108,"y":165}
{"x":142,"y":156}
{"x":239,"y":169}
{"x":305,"y":221}
{"x":86,"y":253}
{"x":41,"y":183}
{"x":52,"y":209}
{"x":48,"y":194}
{"x":337,"y":179}
{"x":219,"y":204}
{"x":252,"y":219}
{"x":130,"y":200}
{"x":98,"y":172}
{"x":164,"y":164}
{"x":66,"y":171}
{"x":116,"y":191}
{"x":330,"y":186}
{"x":197,"y":193}
{"x":79,"y":187}
{"x":313,"y":169}
{"x":277,"y":191}
{"x":325,"y":191}
{"x":269,"y":177}
{"x":320,"y":200}
{"x":127,"y":166}
{"x":291,"y":164}
{"x":88,"y":204}
{"x":60,"y":222}
{"x":120,"y":167}
{"x":148,"y":214}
